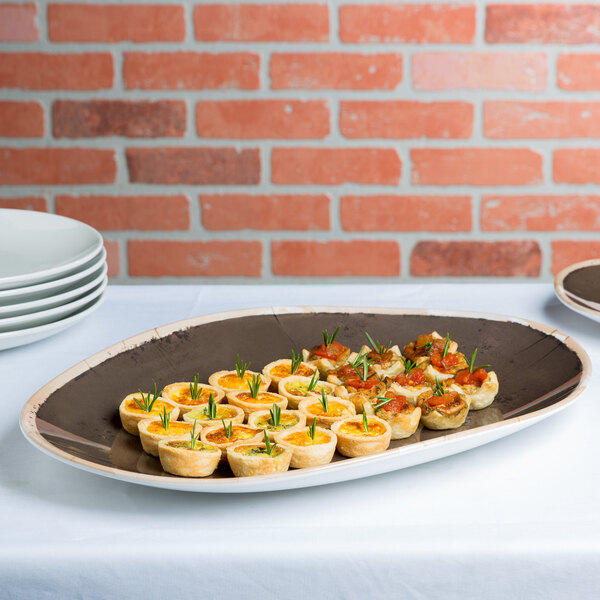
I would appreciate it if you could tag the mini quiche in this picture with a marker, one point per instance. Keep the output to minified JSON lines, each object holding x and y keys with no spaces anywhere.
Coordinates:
{"x":402,"y":416}
{"x":274,"y":421}
{"x":426,"y":344}
{"x":284,"y":367}
{"x":153,"y":431}
{"x":247,"y":460}
{"x":232,"y":381}
{"x":326,"y":410}
{"x":250,"y":403}
{"x":230,"y":435}
{"x":327,"y":356}
{"x":410,"y":384}
{"x":359,"y":436}
{"x":137,"y":407}
{"x":201,"y":415}
{"x":295,"y":388}
{"x":477,"y":388}
{"x":185,"y":395}
{"x":311,"y":446}
{"x":446,"y":410}
{"x":189,"y":457}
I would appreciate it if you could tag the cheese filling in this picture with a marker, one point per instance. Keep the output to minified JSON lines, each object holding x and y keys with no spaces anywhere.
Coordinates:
{"x":356,"y":428}
{"x":177,"y":428}
{"x":284,"y":371}
{"x":201,"y":413}
{"x":261,"y":398}
{"x":334,"y":409}
{"x":198,"y":446}
{"x":285,"y":422}
{"x":157,"y":408}
{"x":232,"y":382}
{"x":302,"y":438}
{"x":239,"y":433}
{"x":259,"y":451}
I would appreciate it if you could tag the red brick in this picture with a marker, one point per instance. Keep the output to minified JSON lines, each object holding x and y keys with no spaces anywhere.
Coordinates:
{"x":56,"y":166}
{"x":515,"y":119}
{"x":21,"y":119}
{"x":406,"y":213}
{"x":578,"y":72}
{"x":251,"y":119}
{"x":408,"y":23}
{"x":262,"y":22}
{"x":577,"y":165}
{"x":435,"y":71}
{"x":26,"y":203}
{"x":193,"y":166}
{"x":405,"y":119}
{"x":113,"y":257}
{"x":148,"y":258}
{"x":335,"y":71}
{"x":40,"y":71}
{"x":355,"y":258}
{"x":191,"y":71}
{"x":567,"y":252}
{"x":540,"y":213}
{"x":476,"y":166}
{"x":116,"y":23}
{"x":18,"y":22}
{"x":476,"y":259}
{"x":127,"y":212}
{"x":128,"y":118}
{"x":265,"y":213}
{"x":542,"y":23}
{"x":334,"y":166}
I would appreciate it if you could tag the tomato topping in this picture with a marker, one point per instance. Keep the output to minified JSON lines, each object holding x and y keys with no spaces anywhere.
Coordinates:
{"x":332,"y":351}
{"x":447,"y":398}
{"x":359,"y":384}
{"x":465,"y":377}
{"x":345,"y":372}
{"x":398,"y":404}
{"x":444,"y":363}
{"x":415,"y":377}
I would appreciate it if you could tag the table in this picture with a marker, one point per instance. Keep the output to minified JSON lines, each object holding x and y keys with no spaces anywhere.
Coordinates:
{"x":517,"y":517}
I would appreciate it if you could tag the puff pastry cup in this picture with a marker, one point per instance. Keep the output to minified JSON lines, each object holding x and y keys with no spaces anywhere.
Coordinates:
{"x":132,"y":414}
{"x":447,"y":411}
{"x":295,"y":388}
{"x":353,"y":440}
{"x":228,"y":412}
{"x":478,"y":394}
{"x":179,"y":457}
{"x":180,"y":394}
{"x":420,"y":350}
{"x":401,"y":415}
{"x":230,"y":381}
{"x":356,"y":387}
{"x":263,"y":400}
{"x":337,"y":409}
{"x":410,"y":385}
{"x":385,"y":361}
{"x":246,"y":460}
{"x":306,"y":451}
{"x":442,"y":367}
{"x":289,"y":420}
{"x":282,"y":368}
{"x":328,"y":356}
{"x":152,"y":432}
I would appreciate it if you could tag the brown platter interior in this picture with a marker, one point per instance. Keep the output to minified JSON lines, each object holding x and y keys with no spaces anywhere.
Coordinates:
{"x":583,"y":286}
{"x":535,"y":370}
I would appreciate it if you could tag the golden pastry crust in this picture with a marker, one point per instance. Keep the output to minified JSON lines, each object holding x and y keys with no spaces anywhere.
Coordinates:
{"x":419,"y":354}
{"x":479,"y":397}
{"x":290,"y":420}
{"x":228,"y":412}
{"x":410,"y":392}
{"x":388,"y":364}
{"x":179,"y":394}
{"x":280,"y":369}
{"x":131,"y":414}
{"x":294,"y":388}
{"x":263,"y":401}
{"x":307,"y":452}
{"x":338,"y":409}
{"x":353,"y":441}
{"x":432,"y":373}
{"x":447,"y":416}
{"x":242,"y":434}
{"x":185,"y":462}
{"x":248,"y":465}
{"x":228,"y":381}
{"x":360,"y":397}
{"x":404,"y":420}
{"x":152,"y":432}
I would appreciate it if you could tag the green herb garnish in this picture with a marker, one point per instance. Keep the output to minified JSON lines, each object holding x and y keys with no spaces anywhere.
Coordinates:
{"x":165,"y":418}
{"x":313,"y":382}
{"x":270,"y":447}
{"x":296,"y":360}
{"x":446,"y":345}
{"x":377,"y":347}
{"x":359,"y":358}
{"x":254,"y":385}
{"x":365,"y":420}
{"x":240,"y":367}
{"x":227,"y":428}
{"x":472,"y":366}
{"x":426,"y":345}
{"x":384,"y":400}
{"x":312,"y":430}
{"x":439,"y":388}
{"x":195,"y":391}
{"x":275,"y":413}
{"x":363,"y":370}
{"x":148,"y":399}
{"x":409,"y":365}
{"x":193,"y":436}
{"x":323,"y":400}
{"x":211,"y":410}
{"x":329,"y":339}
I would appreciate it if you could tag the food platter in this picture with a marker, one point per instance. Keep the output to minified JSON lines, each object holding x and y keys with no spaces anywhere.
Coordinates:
{"x":75,"y":419}
{"x":578,"y":288}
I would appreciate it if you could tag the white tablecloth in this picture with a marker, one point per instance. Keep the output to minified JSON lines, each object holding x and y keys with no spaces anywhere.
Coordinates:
{"x":519,"y":517}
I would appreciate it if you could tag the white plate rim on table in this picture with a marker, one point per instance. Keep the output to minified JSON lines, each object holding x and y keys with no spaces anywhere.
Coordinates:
{"x":43,"y":267}
{"x":390,"y":460}
{"x":563,"y":295}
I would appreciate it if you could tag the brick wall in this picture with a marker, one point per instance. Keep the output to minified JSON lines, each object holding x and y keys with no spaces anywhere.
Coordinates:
{"x":325,"y":140}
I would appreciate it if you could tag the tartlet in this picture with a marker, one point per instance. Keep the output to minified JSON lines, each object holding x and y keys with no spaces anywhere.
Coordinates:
{"x":477,"y":391}
{"x":131,"y":414}
{"x":441,"y":368}
{"x":337,"y":410}
{"x":247,"y":460}
{"x":306,"y":451}
{"x":328,"y":356}
{"x":152,"y":432}
{"x":230,"y":381}
{"x":180,"y":458}
{"x":420,"y":350}
{"x":289,"y":420}
{"x":385,"y":361}
{"x":446,"y":411}
{"x":282,"y":368}
{"x":199,"y":415}
{"x":263,"y":400}
{"x":180,"y":394}
{"x":295,"y":389}
{"x":411,"y":384}
{"x":353,"y":440}
{"x":241,"y":434}
{"x":401,"y":415}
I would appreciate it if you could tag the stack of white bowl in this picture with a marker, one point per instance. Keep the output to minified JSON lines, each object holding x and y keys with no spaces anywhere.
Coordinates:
{"x":52,"y":274}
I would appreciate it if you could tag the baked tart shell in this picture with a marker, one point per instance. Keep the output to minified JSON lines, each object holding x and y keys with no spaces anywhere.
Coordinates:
{"x":188,"y":463}
{"x":357,"y":445}
{"x":248,"y":466}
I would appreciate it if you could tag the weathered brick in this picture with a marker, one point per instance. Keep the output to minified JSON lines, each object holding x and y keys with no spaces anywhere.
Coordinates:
{"x":406,"y":213}
{"x":274,"y":119}
{"x":405,"y":119}
{"x":193,"y":166}
{"x":262,"y":22}
{"x":569,"y":252}
{"x":436,"y":71}
{"x":18,"y":22}
{"x":21,"y":119}
{"x":113,"y":257}
{"x":335,"y":71}
{"x":573,"y":165}
{"x":578,"y":72}
{"x":293,"y":212}
{"x":56,"y":166}
{"x":356,"y":258}
{"x":154,"y":258}
{"x":334,"y":166}
{"x":191,"y":70}
{"x":25,"y":203}
{"x":74,"y":22}
{"x":475,"y":166}
{"x":408,"y":23}
{"x":518,"y":258}
{"x":127,"y":212}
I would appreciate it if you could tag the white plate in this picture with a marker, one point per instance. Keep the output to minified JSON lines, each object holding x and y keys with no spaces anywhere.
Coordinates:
{"x":43,"y":317}
{"x":577,"y":285}
{"x":49,"y":288}
{"x":13,"y":339}
{"x":37,"y":247}
{"x":77,"y":291}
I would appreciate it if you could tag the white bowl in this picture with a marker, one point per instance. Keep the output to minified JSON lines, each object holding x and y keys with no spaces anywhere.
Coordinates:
{"x":37,"y":247}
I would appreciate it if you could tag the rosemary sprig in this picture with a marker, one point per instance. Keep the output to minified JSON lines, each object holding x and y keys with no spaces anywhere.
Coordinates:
{"x":296,"y":360}
{"x":254,"y":385}
{"x":365,"y":420}
{"x":363,"y":370}
{"x":228,"y":429}
{"x":329,"y":339}
{"x":240,"y":366}
{"x":359,"y":358}
{"x":193,"y":436}
{"x":313,"y":382}
{"x":472,"y":366}
{"x":384,"y":400}
{"x":195,"y":391}
{"x":148,"y":399}
{"x":312,"y":430}
{"x":439,"y":388}
{"x":270,"y":447}
{"x":323,"y":400}
{"x":211,"y":410}
{"x":446,"y":345}
{"x":409,"y":365}
{"x":275,"y":413}
{"x":377,"y":347}
{"x":426,"y":345}
{"x":165,"y":418}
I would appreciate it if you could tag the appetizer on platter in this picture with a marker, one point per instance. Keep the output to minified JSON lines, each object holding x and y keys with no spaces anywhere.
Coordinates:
{"x":386,"y":361}
{"x":229,"y":434}
{"x":153,"y":431}
{"x":410,"y":384}
{"x":311,"y":446}
{"x":258,"y":459}
{"x":185,"y":395}
{"x":444,"y":364}
{"x":420,"y":350}
{"x":295,"y":388}
{"x":137,"y":407}
{"x":253,"y":399}
{"x":442,"y":409}
{"x":232,"y":381}
{"x":359,"y":436}
{"x":211,"y":413}
{"x":284,"y":367}
{"x":326,"y":410}
{"x":276,"y":420}
{"x":475,"y":385}
{"x":327,"y":356}
{"x":401,"y":415}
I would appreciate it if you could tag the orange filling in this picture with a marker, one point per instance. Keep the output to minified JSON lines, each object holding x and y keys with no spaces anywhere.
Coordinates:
{"x":302,"y":438}
{"x":233,"y":382}
{"x":261,"y":398}
{"x":284,"y":370}
{"x":356,"y":428}
{"x":182,"y":396}
{"x":157,"y":408}
{"x":334,"y":409}
{"x":173,"y":429}
{"x":239,"y":433}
